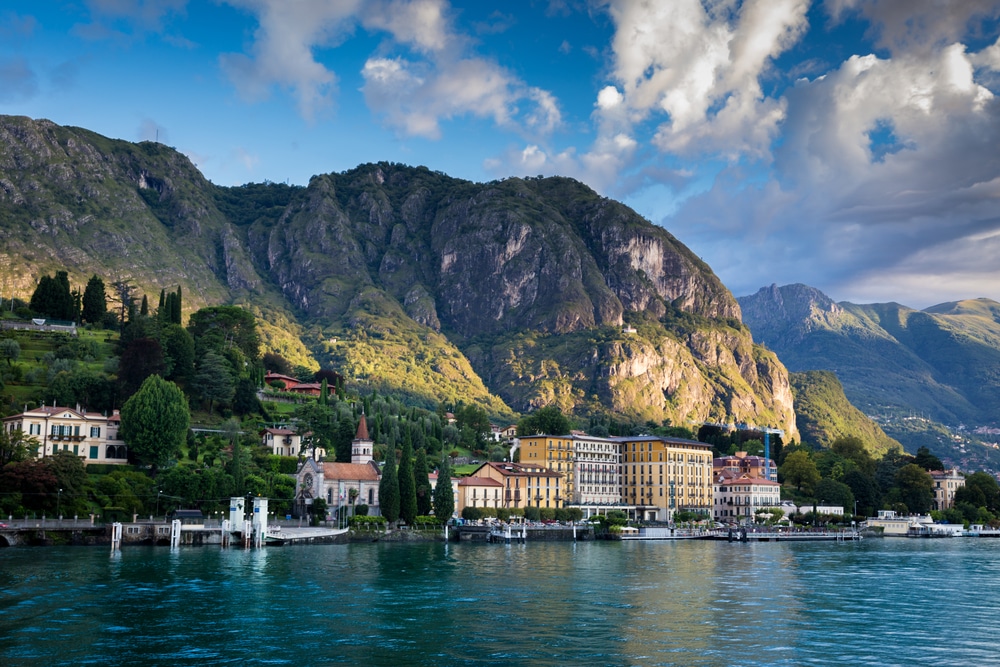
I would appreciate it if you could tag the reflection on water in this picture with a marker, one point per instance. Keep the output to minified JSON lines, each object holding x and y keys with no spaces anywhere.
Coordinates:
{"x":879,"y":602}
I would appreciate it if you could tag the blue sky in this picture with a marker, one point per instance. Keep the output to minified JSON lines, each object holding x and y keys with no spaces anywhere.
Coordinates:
{"x":851,"y":145}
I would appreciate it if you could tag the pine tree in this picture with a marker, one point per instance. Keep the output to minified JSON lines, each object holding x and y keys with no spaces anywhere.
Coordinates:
{"x":388,"y":488}
{"x":422,"y":484}
{"x":444,"y":496}
{"x":407,"y":488}
{"x":214,"y":379}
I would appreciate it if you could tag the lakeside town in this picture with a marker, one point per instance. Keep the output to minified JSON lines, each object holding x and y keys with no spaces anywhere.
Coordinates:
{"x":130,"y":414}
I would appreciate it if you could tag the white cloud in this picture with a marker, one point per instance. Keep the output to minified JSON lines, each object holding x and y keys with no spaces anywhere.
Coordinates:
{"x":609,"y":98}
{"x":694,"y":67}
{"x":916,"y":25}
{"x":439,"y":79}
{"x":884,"y":187}
{"x":282,"y":50}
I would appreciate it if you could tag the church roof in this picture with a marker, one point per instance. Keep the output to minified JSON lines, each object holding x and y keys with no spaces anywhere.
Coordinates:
{"x":350,"y":471}
{"x":362,"y":429}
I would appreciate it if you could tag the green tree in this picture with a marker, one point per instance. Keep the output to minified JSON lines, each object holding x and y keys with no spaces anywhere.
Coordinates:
{"x":140,"y":359}
{"x":95,"y":301}
{"x":853,"y":449}
{"x":927,"y":461}
{"x":981,"y":490}
{"x":317,"y":423}
{"x":178,"y":352}
{"x":53,"y":297}
{"x":444,"y":495}
{"x":800,"y":471}
{"x":10,"y":350}
{"x":546,"y":421}
{"x":407,"y":486}
{"x":838,"y":494}
{"x":916,"y":488}
{"x":388,"y":488}
{"x":214,"y":380}
{"x":220,"y":328}
{"x":16,"y":446}
{"x":422,"y":484}
{"x":154,"y":422}
{"x":865,"y":491}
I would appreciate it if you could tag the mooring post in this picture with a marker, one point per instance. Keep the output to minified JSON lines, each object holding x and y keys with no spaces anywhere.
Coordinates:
{"x":116,"y":537}
{"x":175,"y":533}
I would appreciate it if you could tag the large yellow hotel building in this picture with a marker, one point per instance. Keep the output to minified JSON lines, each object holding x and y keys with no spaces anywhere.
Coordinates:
{"x":649,"y":477}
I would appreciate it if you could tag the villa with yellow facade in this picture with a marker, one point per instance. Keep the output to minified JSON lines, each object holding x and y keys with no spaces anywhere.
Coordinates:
{"x":511,"y":485}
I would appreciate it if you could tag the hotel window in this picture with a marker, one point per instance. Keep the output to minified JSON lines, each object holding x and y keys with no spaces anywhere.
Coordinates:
{"x":95,"y":431}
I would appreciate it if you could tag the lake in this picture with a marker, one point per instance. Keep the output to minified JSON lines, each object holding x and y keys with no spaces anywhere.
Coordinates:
{"x":875,"y":602}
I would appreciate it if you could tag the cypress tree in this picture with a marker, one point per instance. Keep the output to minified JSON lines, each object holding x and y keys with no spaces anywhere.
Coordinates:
{"x":422,"y":484}
{"x":444,"y":497}
{"x":407,"y":488}
{"x":175,"y":314}
{"x":95,"y":301}
{"x":64,"y":294}
{"x":144,"y":309}
{"x":159,"y":308}
{"x":324,"y":393}
{"x":388,"y":488}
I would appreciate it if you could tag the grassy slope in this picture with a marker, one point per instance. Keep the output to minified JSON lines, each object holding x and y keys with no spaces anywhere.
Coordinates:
{"x":824,"y":414}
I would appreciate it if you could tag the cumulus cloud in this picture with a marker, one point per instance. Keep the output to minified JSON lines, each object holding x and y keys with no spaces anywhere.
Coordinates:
{"x":694,"y":67}
{"x":426,"y":74}
{"x":916,"y":25}
{"x":884,"y":186}
{"x":282,"y":50}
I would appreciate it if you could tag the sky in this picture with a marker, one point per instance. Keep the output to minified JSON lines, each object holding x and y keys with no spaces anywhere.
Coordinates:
{"x":850,"y":145}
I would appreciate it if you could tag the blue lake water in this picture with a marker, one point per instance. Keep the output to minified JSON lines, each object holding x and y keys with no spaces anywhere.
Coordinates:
{"x":877,"y":602}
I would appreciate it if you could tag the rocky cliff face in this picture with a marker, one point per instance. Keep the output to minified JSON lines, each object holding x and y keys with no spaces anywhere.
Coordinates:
{"x":517,"y":288}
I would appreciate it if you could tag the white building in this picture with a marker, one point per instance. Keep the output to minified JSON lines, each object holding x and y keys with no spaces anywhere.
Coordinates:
{"x":737,"y":498}
{"x":90,"y":435}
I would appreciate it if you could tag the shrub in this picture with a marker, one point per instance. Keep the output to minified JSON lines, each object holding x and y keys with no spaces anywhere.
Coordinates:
{"x":357,"y":521}
{"x":361,"y":510}
{"x":472,"y":513}
{"x":532,"y":514}
{"x":426,"y":521}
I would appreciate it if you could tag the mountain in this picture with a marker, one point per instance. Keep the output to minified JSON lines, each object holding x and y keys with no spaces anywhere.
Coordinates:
{"x":513,"y":294}
{"x":942,"y":362}
{"x":823,"y":414}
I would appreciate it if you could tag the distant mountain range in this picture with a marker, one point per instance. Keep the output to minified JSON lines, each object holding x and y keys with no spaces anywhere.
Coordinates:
{"x":512,"y":294}
{"x":942,"y":363}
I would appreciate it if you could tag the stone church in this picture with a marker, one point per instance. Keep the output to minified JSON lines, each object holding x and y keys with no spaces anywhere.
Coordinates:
{"x":341,"y":484}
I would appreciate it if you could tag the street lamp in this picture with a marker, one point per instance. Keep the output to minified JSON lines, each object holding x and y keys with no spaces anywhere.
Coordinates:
{"x":158,"y":494}
{"x":59,"y":504}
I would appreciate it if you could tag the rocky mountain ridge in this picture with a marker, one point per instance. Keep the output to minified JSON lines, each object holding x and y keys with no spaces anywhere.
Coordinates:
{"x":942,"y":362}
{"x":514,"y":293}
